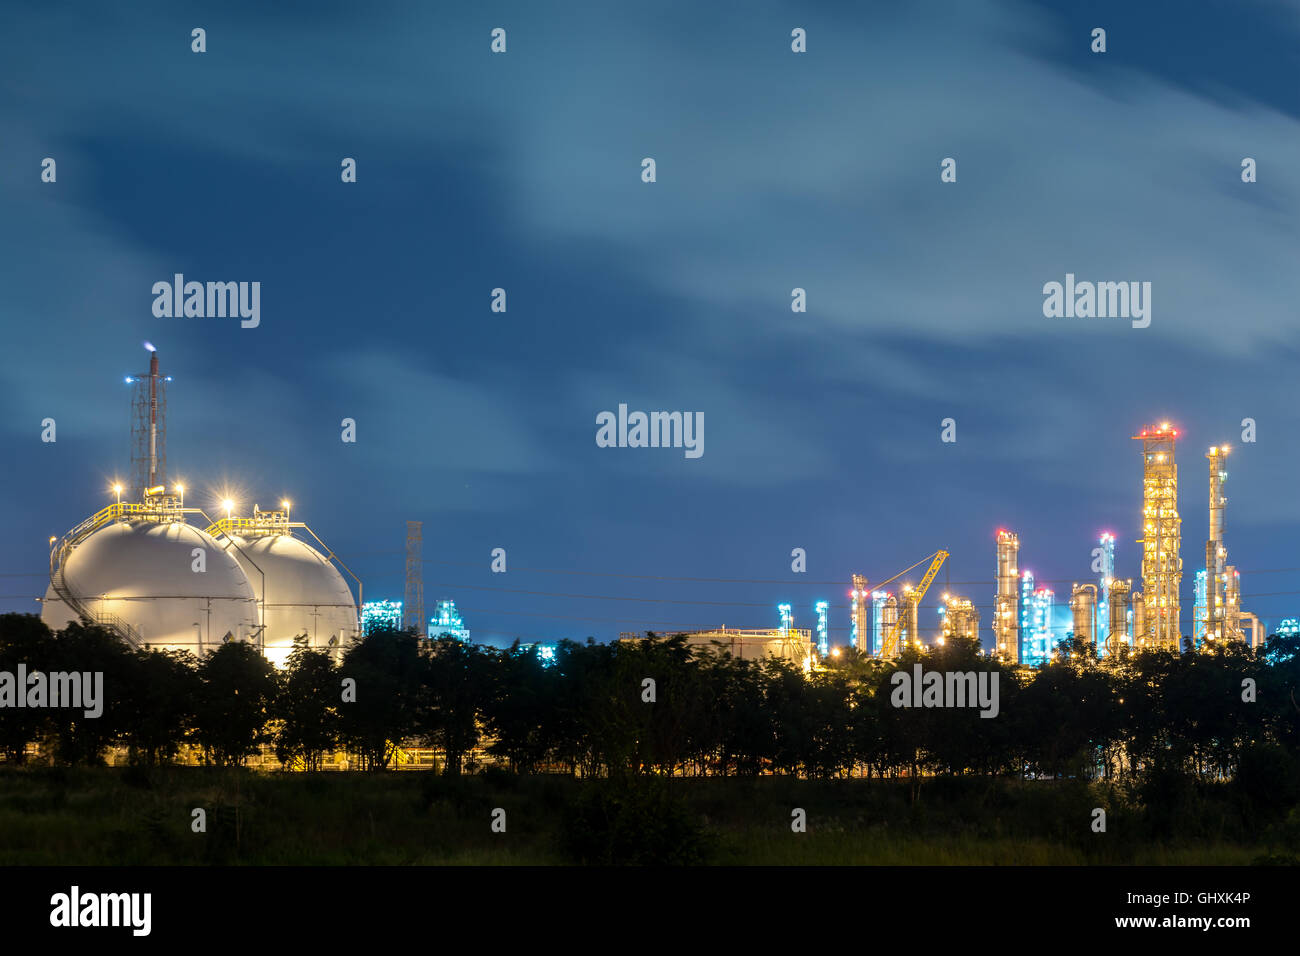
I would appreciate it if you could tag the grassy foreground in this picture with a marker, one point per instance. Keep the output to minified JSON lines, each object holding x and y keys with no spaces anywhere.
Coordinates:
{"x":115,"y":816}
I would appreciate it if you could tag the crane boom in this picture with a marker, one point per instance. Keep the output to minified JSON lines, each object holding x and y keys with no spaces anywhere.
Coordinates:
{"x":890,"y":643}
{"x":939,"y":558}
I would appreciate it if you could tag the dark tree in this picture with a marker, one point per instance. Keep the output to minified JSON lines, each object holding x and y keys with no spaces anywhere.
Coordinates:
{"x":24,"y":639}
{"x":236,"y":694}
{"x":101,"y":657}
{"x":388,"y":672}
{"x":159,"y":702}
{"x":307,"y":708}
{"x":458,"y":680}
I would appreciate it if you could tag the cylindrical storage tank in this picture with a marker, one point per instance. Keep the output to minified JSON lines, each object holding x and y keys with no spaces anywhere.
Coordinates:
{"x":1083,"y":602}
{"x":1117,"y":631}
{"x":147,"y":574}
{"x":305,"y":594}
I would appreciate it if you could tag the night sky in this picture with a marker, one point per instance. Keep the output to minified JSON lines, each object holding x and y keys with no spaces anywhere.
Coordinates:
{"x":775,"y":170}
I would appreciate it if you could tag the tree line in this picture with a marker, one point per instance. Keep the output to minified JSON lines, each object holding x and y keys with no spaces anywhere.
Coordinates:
{"x":657,"y":706}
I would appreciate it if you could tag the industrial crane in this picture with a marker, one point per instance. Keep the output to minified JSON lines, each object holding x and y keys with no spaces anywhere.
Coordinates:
{"x":908,"y":614}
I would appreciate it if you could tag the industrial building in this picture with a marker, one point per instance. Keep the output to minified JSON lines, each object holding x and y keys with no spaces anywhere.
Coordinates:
{"x":788,"y":643}
{"x":142,"y":570}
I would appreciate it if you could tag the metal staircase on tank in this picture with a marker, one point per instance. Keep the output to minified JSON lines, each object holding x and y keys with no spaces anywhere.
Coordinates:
{"x":59,"y":551}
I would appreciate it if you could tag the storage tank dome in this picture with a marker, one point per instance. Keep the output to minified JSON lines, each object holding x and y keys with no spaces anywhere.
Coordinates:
{"x":305,"y":594}
{"x":143,"y":572}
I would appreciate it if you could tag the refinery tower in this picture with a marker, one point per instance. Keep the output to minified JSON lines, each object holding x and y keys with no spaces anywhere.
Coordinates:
{"x":1162,"y":565}
{"x":1006,"y":609}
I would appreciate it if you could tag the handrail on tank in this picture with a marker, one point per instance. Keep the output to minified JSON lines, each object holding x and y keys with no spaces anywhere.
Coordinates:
{"x":274,"y":522}
{"x":335,"y":557}
{"x":261,"y":602}
{"x":156,"y":506}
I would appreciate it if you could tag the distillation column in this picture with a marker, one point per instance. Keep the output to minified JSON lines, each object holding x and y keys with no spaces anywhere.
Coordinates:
{"x":1162,"y":566}
{"x":1106,"y":543}
{"x":1222,"y":602}
{"x":1083,"y":604}
{"x":1117,"y":627}
{"x":1006,"y":611}
{"x":861,"y":635}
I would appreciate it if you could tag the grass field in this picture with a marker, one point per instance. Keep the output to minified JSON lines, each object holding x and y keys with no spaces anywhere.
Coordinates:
{"x":114,"y":816}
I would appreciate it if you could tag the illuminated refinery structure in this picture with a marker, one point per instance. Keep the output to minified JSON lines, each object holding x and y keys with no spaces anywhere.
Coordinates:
{"x":1218,"y":613}
{"x":1109,"y":614}
{"x":1038,"y":639}
{"x":390,"y":615}
{"x":1119,"y":628}
{"x":821,"y":609}
{"x":1006,"y":608}
{"x":1083,"y":612}
{"x":381,"y":615}
{"x":960,"y":619}
{"x":882,"y":615}
{"x":1162,"y":565}
{"x":447,"y":622}
{"x":895,"y":624}
{"x":143,"y":571}
{"x":859,"y":637}
{"x":1217,"y":600}
{"x":1106,"y":545}
{"x":1036,"y":606}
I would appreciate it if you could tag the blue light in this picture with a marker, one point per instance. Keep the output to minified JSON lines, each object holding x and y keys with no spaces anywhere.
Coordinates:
{"x":129,"y":380}
{"x":878,"y":599}
{"x":545,"y":652}
{"x":1107,"y":542}
{"x":447,"y":622}
{"x":377,"y":614}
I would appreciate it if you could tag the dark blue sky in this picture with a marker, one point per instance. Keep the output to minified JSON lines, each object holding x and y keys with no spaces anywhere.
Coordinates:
{"x":775,"y":171}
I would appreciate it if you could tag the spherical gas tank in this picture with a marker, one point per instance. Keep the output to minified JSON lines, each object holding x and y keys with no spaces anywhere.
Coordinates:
{"x":305,"y":595}
{"x":148,"y":574}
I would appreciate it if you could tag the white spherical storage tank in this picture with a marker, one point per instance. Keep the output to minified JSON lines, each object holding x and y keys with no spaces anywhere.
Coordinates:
{"x":146,"y":573}
{"x":305,"y":594}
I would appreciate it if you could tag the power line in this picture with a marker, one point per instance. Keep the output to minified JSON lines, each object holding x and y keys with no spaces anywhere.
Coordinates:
{"x":602,"y":597}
